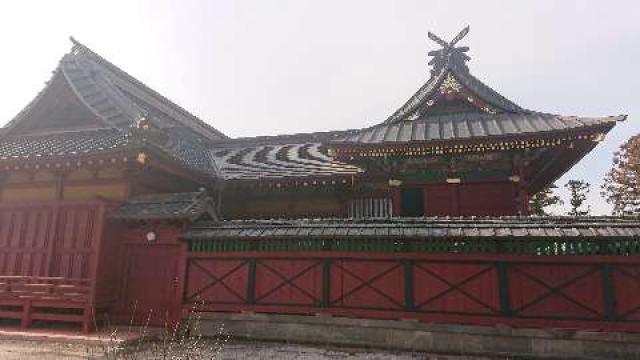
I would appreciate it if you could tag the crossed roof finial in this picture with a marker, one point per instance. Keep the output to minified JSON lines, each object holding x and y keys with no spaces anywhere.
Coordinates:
{"x":450,"y":53}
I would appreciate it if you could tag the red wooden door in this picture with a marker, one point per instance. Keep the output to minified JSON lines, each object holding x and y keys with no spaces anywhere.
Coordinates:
{"x":151,"y":284}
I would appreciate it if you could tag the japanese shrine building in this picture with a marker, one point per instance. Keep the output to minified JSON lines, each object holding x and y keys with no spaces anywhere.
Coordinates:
{"x":112,"y":195}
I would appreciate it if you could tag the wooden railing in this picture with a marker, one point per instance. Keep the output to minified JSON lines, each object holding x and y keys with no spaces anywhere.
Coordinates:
{"x":44,"y":288}
{"x":32,"y":298}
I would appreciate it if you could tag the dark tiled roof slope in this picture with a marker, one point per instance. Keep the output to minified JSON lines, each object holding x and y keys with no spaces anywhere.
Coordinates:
{"x":63,"y":144}
{"x":175,"y":206}
{"x":301,"y":138}
{"x":463,"y":126}
{"x":455,"y":228}
{"x":176,"y":143}
{"x":279,"y":161}
{"x":184,"y":147}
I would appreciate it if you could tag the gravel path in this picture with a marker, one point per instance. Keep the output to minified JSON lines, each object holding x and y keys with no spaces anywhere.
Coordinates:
{"x":24,"y":350}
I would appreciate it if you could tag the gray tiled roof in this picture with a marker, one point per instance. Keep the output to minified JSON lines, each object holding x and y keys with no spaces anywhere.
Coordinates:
{"x":589,"y":227}
{"x":184,"y":147}
{"x":63,"y":144}
{"x":462,"y":126}
{"x":278,"y":161}
{"x":300,"y":138}
{"x":176,"y":143}
{"x":185,"y":206}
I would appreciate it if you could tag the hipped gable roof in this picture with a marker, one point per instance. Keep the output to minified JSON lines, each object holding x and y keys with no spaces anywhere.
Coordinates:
{"x":116,"y":98}
{"x":478,"y":111}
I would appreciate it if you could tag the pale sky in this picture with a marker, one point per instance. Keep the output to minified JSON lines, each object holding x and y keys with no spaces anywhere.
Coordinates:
{"x":274,"y":67}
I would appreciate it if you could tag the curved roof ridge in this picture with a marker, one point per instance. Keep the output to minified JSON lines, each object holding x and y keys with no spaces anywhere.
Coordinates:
{"x":490,"y":95}
{"x":418,"y":97}
{"x":79,"y":49}
{"x":125,"y":109}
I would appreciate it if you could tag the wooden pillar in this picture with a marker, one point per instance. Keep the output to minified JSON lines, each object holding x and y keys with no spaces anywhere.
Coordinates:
{"x":523,"y":192}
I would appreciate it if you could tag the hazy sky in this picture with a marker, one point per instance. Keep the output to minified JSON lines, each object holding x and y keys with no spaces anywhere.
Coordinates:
{"x":272,"y":67}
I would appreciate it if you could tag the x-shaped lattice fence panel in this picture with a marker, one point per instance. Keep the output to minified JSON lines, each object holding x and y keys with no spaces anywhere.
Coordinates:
{"x":443,"y":286}
{"x":373,"y":282}
{"x":627,"y":290}
{"x":214,"y":277}
{"x":584,"y":277}
{"x":289,"y":280}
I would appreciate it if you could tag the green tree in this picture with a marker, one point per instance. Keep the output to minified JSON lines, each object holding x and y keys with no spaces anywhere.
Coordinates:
{"x":621,"y":187}
{"x":578,"y":190}
{"x":544,"y":198}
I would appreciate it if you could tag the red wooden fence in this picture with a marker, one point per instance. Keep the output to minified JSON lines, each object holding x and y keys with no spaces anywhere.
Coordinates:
{"x":578,"y":292}
{"x":48,"y":260}
{"x":49,"y":239}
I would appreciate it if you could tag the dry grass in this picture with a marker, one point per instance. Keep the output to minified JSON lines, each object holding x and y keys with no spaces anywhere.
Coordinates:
{"x":182,"y":340}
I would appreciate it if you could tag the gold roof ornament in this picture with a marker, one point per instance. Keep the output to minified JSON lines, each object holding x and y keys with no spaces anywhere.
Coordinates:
{"x":142,"y":158}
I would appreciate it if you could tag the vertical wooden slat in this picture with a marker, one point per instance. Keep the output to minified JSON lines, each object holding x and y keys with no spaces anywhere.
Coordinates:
{"x":608,"y":292}
{"x":503,"y":288}
{"x":52,"y":232}
{"x":251,"y":282}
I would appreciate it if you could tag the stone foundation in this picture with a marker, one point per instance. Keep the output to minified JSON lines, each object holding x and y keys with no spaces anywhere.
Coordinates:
{"x":499,"y":341}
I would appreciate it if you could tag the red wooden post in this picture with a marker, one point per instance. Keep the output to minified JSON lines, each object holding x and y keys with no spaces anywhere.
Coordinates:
{"x":88,"y":315}
{"x":27,"y":310}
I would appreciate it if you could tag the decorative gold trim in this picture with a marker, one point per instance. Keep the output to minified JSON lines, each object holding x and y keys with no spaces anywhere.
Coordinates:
{"x":599,"y":137}
{"x":450,"y":85}
{"x":142,"y":158}
{"x":426,"y":149}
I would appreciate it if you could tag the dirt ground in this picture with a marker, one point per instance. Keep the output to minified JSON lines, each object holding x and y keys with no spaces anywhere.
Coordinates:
{"x":26,"y":350}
